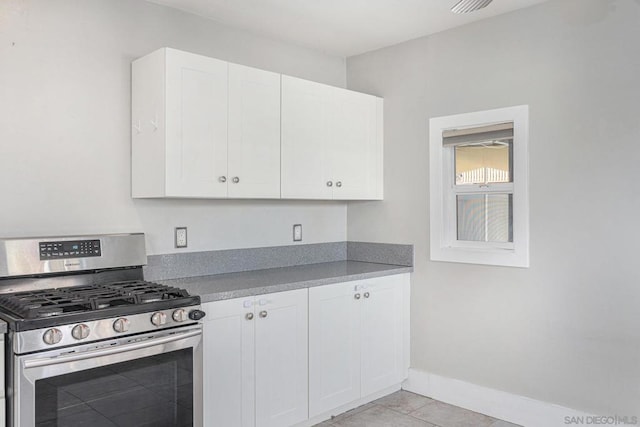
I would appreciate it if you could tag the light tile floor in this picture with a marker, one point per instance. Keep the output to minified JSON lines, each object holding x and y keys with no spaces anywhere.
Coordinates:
{"x":405,"y":409}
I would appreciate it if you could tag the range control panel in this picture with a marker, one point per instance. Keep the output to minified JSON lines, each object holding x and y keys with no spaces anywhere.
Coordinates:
{"x":69,"y":249}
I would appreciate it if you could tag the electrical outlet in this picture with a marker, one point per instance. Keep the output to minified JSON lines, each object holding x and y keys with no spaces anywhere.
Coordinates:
{"x":181,"y":237}
{"x":297,"y":232}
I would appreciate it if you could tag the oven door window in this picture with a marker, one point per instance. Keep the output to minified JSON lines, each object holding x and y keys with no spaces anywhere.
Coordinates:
{"x":152,"y":391}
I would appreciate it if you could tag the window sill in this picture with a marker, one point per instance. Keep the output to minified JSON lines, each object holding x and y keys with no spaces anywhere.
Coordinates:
{"x":484,"y":256}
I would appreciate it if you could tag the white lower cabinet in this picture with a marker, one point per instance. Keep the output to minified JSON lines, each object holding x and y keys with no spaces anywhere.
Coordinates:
{"x":357,"y":340}
{"x":281,"y":359}
{"x":256,"y":361}
{"x":334,"y":347}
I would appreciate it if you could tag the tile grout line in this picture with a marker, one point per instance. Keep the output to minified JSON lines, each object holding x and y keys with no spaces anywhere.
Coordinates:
{"x":374,"y":404}
{"x":409,"y":414}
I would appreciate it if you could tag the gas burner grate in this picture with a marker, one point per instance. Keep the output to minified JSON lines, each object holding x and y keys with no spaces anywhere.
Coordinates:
{"x":60,"y":301}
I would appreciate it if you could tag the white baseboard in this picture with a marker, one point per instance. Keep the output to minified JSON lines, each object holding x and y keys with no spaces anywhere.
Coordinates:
{"x":498,"y":404}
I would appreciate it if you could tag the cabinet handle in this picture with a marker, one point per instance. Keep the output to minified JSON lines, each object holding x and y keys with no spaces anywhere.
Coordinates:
{"x":236,"y":180}
{"x":263,"y":313}
{"x":366,"y":295}
{"x":357,"y":296}
{"x":329,"y":183}
{"x":339,"y":184}
{"x":248,"y":316}
{"x":222,"y":179}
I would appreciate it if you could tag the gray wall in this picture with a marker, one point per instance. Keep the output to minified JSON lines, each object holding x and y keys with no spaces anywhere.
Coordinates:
{"x":65,"y":125}
{"x":566,"y":330}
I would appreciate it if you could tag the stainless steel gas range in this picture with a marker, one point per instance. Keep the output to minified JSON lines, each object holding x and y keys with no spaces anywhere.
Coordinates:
{"x":90,"y":342}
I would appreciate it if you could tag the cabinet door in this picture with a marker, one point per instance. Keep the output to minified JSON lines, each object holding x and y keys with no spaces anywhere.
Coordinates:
{"x":305,"y":139}
{"x":196,"y":125}
{"x":382,"y":333}
{"x":281,"y":359}
{"x":356,"y":145}
{"x":228,"y":364}
{"x":254,"y":133}
{"x":334,"y":347}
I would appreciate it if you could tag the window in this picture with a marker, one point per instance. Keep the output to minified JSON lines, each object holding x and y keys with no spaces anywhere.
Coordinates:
{"x":479,"y":187}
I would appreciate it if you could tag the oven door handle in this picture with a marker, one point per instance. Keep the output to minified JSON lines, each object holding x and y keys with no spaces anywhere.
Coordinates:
{"x":36,"y":363}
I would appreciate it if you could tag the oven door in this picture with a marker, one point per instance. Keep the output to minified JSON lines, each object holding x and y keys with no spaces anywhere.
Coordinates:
{"x":145,"y":380}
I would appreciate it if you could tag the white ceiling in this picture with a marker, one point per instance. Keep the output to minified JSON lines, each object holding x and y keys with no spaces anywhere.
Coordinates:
{"x":341,"y":27}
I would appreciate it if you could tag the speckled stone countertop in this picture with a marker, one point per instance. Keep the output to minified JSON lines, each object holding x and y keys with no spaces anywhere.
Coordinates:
{"x":257,"y":282}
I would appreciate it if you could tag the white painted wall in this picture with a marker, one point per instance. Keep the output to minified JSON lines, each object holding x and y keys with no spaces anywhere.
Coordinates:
{"x":567,"y":329}
{"x":65,"y":125}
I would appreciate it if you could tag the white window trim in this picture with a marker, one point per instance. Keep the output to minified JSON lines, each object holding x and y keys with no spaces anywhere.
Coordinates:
{"x":512,"y":255}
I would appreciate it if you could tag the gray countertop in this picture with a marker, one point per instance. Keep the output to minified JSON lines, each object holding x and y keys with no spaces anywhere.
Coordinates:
{"x":257,"y":282}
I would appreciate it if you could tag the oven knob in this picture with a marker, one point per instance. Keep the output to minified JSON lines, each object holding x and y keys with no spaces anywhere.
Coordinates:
{"x":159,"y":318}
{"x":180,"y":315}
{"x":52,"y":336}
{"x":80,"y":331}
{"x":196,"y":314}
{"x":121,"y":325}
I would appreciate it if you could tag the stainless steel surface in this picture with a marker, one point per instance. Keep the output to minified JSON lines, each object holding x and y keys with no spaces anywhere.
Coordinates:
{"x":236,"y":180}
{"x":25,"y":284}
{"x":2,"y":380}
{"x":248,"y":316}
{"x":465,"y":6}
{"x":263,"y":313}
{"x":80,"y":331}
{"x":72,"y":340}
{"x":222,"y":179}
{"x":140,"y":343}
{"x":21,"y":257}
{"x":366,"y":294}
{"x":121,"y":325}
{"x":357,"y":296}
{"x":29,"y":341}
{"x":27,"y":369}
{"x":329,"y":184}
{"x":339,"y":184}
{"x":51,"y":336}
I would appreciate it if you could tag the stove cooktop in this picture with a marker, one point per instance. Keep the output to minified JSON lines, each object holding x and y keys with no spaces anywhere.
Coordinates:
{"x":51,"y":307}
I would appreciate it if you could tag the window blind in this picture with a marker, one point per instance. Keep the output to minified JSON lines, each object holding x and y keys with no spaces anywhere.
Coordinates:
{"x":495,"y":132}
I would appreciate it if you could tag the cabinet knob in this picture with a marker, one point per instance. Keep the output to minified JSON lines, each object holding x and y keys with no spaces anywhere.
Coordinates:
{"x":329,"y":183}
{"x":248,"y":316}
{"x":236,"y":180}
{"x":263,"y":313}
{"x":357,"y":296}
{"x":222,"y":179}
{"x":366,"y":295}
{"x":339,"y":184}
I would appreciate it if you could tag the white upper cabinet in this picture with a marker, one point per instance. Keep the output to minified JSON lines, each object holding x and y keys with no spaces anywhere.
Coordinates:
{"x":305,"y":138}
{"x":331,"y":142}
{"x":205,"y":128}
{"x":179,"y":140}
{"x":254,"y":133}
{"x":356,"y":145}
{"x":196,"y":124}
